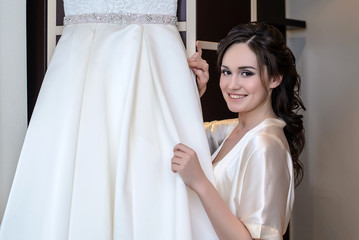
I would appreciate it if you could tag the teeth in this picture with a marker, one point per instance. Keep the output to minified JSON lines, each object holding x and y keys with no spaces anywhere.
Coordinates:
{"x":236,"y":96}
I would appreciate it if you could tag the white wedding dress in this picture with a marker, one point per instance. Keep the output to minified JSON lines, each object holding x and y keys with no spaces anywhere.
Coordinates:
{"x":96,"y":161}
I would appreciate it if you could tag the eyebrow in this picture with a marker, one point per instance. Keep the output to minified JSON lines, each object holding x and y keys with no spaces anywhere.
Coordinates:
{"x":241,"y":67}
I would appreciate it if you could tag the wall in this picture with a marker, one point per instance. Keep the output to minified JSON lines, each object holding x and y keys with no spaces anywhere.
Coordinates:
{"x":327,"y":53}
{"x":12,"y":91}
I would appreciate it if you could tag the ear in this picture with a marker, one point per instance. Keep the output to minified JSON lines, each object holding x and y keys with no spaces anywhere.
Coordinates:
{"x":275,"y":81}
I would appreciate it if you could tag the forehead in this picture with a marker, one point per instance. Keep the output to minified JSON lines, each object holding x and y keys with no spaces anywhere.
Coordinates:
{"x":239,"y":54}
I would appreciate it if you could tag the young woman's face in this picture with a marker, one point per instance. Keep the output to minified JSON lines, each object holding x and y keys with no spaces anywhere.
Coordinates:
{"x":241,"y":83}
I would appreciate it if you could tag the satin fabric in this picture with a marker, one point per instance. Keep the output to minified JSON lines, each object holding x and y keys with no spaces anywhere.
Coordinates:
{"x":96,"y":161}
{"x":255,"y":179}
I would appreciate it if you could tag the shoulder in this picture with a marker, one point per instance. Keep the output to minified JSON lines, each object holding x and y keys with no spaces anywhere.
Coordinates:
{"x":217,"y":131}
{"x":225,"y":126}
{"x":268,"y":147}
{"x":268,"y":135}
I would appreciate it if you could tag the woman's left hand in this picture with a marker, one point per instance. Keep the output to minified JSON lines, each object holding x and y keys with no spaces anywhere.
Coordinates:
{"x":185,"y":162}
{"x":200,"y":68}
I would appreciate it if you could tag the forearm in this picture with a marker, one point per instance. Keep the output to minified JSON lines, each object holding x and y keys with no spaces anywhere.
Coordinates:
{"x":226,"y":225}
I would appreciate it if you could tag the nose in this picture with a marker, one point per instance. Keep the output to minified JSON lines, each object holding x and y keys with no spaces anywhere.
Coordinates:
{"x":234,"y":82}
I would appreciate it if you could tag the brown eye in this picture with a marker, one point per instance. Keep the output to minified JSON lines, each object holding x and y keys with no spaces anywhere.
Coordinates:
{"x":247,"y":73}
{"x":225,"y":72}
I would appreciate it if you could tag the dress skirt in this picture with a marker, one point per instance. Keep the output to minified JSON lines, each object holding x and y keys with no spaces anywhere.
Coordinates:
{"x":96,"y":161}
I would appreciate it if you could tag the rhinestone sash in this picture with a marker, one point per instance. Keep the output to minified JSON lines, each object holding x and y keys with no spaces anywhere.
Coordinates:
{"x":120,"y":18}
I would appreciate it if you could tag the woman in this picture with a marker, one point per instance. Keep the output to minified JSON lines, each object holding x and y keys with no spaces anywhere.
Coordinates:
{"x":256,"y":162}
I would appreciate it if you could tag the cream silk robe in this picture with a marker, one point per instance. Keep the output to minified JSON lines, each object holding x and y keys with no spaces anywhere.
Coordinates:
{"x":255,"y":178}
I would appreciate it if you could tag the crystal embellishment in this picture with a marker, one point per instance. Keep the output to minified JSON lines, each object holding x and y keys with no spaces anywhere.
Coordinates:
{"x":120,"y":18}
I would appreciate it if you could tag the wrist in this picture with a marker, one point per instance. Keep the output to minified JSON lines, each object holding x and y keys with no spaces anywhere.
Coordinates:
{"x":203,"y":187}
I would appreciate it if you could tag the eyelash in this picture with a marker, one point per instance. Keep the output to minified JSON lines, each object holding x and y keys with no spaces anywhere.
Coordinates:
{"x":225,"y":72}
{"x":244,"y":73}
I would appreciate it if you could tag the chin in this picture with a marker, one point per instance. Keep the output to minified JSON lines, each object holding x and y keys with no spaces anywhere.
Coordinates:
{"x":233,"y":109}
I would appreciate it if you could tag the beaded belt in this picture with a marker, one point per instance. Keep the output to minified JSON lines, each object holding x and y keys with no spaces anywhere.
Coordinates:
{"x":120,"y":18}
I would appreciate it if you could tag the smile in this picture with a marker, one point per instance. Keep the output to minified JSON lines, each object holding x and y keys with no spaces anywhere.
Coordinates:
{"x":236,"y":96}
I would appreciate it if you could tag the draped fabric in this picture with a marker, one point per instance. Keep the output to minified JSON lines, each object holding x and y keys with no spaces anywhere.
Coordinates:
{"x":96,"y":161}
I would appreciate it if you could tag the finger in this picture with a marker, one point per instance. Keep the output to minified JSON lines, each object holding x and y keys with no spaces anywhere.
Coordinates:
{"x":199,"y":64}
{"x":194,"y":63}
{"x":176,"y":164}
{"x":177,"y":147}
{"x":179,"y":155}
{"x":194,"y":56}
{"x":175,"y":167}
{"x":176,"y":160}
{"x":182,"y":148}
{"x":193,"y":59}
{"x":184,"y":152}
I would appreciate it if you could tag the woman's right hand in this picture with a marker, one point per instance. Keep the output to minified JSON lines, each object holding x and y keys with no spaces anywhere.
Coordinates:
{"x":200,"y":69}
{"x":185,"y":162}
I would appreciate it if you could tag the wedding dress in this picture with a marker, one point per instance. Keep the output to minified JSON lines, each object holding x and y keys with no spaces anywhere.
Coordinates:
{"x":96,"y":161}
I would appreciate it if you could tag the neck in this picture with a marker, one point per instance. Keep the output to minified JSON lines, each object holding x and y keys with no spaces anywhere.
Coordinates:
{"x":248,"y":120}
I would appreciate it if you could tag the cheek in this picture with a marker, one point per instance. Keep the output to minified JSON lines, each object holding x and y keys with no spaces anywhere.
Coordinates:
{"x":222,"y":83}
{"x":257,"y":87}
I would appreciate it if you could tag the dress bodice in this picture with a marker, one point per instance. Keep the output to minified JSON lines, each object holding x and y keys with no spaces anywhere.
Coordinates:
{"x":164,"y":7}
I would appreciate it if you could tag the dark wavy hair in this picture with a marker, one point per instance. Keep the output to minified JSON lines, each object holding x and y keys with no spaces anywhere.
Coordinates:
{"x":273,"y":55}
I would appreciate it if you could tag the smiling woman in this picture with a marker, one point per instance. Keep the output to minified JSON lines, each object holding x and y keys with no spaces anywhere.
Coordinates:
{"x":241,"y":84}
{"x":255,"y":157}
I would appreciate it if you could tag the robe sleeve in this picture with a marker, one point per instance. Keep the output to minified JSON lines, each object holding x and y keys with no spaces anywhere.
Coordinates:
{"x":217,"y":131}
{"x":265,"y":201}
